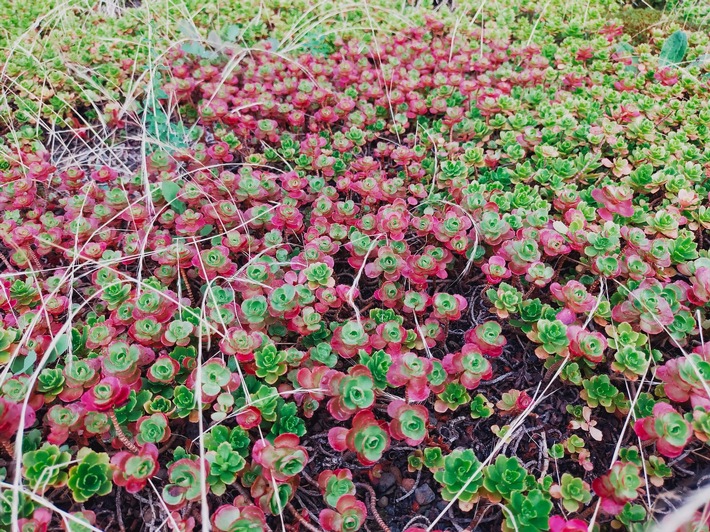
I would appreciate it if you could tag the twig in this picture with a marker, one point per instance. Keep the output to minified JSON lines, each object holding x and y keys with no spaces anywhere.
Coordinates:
{"x":497,"y":379}
{"x":301,"y":519}
{"x":167,"y":444}
{"x":119,"y":513}
{"x":546,"y":459}
{"x":409,"y":493}
{"x":681,"y":457}
{"x":242,"y":491}
{"x":310,"y":479}
{"x":149,"y":502}
{"x":415,"y":519}
{"x":34,"y":260}
{"x":525,"y":432}
{"x":483,"y":519}
{"x":308,"y":510}
{"x":6,"y":263}
{"x":458,"y":527}
{"x":373,"y":507}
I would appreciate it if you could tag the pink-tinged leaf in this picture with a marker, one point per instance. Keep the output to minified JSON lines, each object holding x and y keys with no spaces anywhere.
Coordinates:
{"x":337,"y":438}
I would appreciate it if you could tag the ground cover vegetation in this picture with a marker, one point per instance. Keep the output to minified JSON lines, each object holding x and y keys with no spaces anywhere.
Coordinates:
{"x":318,"y":266}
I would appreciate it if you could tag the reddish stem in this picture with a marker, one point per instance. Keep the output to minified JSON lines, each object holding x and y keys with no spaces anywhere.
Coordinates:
{"x":7,"y":446}
{"x":188,"y":288}
{"x":34,"y":259}
{"x":301,"y":519}
{"x":122,"y":435}
{"x":373,"y":506}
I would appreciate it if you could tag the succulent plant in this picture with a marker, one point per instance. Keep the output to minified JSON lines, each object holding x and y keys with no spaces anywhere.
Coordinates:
{"x":368,"y":438}
{"x":300,"y":247}
{"x":529,"y":512}
{"x":133,"y":472}
{"x":505,"y":476}
{"x":183,"y":482}
{"x":336,"y":484}
{"x":409,"y":422}
{"x":283,"y":459}
{"x":90,"y":476}
{"x":573,"y":491}
{"x":225,"y":464}
{"x":349,"y":515}
{"x":618,"y":486}
{"x":598,"y":391}
{"x":46,"y":467}
{"x":460,"y":477}
{"x":238,"y":516}
{"x":667,"y":428}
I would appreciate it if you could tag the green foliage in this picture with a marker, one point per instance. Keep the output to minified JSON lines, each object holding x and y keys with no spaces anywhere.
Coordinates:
{"x":288,"y":421}
{"x":556,"y":451}
{"x":378,"y":363}
{"x":133,"y":409}
{"x":506,"y":476}
{"x":527,"y":512}
{"x":270,"y":363}
{"x":280,"y":240}
{"x":91,"y":476}
{"x":25,"y":507}
{"x":598,"y":391}
{"x":433,"y":458}
{"x":46,"y":467}
{"x":453,"y":396}
{"x":553,"y":335}
{"x":460,"y":477}
{"x":573,"y":491}
{"x":225,"y":464}
{"x":336,"y":488}
{"x":674,"y":49}
{"x":481,"y":407}
{"x":153,"y":429}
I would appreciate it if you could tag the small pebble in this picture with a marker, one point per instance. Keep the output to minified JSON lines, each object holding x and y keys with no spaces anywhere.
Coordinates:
{"x":387,"y":480}
{"x":407,"y":484}
{"x":383,"y":502}
{"x":396,"y":472}
{"x":424,"y":495}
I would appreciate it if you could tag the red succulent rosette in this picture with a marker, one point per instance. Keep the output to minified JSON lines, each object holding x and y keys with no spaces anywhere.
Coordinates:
{"x":283,"y":459}
{"x":105,"y":395}
{"x":132,"y":471}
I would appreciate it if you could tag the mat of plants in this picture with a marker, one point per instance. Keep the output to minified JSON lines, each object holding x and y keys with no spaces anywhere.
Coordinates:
{"x":340,"y":267}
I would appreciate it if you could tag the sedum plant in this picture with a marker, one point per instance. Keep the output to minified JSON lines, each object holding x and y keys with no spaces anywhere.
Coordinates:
{"x":505,"y":476}
{"x":91,"y":476}
{"x":460,"y":478}
{"x":296,"y":251}
{"x":667,"y":428}
{"x":573,"y":492}
{"x":46,"y":467}
{"x":529,"y":512}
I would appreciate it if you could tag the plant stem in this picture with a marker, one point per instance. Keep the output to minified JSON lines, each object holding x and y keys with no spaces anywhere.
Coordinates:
{"x":301,"y":519}
{"x":7,"y":446}
{"x":6,"y":263}
{"x":34,"y":259}
{"x":247,"y":498}
{"x":122,"y":435}
{"x":373,"y":506}
{"x":188,"y":288}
